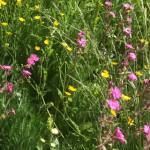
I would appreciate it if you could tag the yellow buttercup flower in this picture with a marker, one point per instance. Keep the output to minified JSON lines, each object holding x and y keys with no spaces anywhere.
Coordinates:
{"x":55,"y":24}
{"x":37,"y":17}
{"x":2,"y":3}
{"x":114,"y":63}
{"x":46,"y":42}
{"x":37,"y":48}
{"x":125,"y":97}
{"x":62,"y":14}
{"x":68,"y":93}
{"x":21,"y":19}
{"x":19,"y":2}
{"x":130,"y":121}
{"x":113,"y":113}
{"x":4,"y":24}
{"x":66,"y":46}
{"x":72,"y":88}
{"x":105,"y":74}
{"x":139,"y":73}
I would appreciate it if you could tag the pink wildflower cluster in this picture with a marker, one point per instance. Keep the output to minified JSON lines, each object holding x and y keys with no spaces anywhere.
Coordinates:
{"x":131,"y":53}
{"x":115,"y":95}
{"x":127,"y":7}
{"x":119,"y":135}
{"x":146,"y":130}
{"x":81,"y":40}
{"x":6,"y":67}
{"x":32,"y":59}
{"x":132,"y":77}
{"x":9,"y":86}
{"x":108,"y":6}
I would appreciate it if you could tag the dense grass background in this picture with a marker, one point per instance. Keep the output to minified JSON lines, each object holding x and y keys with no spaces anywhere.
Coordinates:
{"x":40,"y":101}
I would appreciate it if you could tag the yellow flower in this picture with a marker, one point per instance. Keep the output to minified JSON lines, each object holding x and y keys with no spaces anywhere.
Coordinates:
{"x":21,"y":19}
{"x":138,"y":73}
{"x":37,"y":48}
{"x":144,"y":42}
{"x":9,"y":33}
{"x":46,"y":42}
{"x":68,"y":93}
{"x":114,"y":63}
{"x":130,"y":121}
{"x":4,"y":24}
{"x":125,"y":97}
{"x":2,"y":3}
{"x":66,"y":46}
{"x":55,"y":24}
{"x":37,"y":17}
{"x":71,"y":88}
{"x":105,"y":74}
{"x":62,"y":14}
{"x":113,"y":112}
{"x":19,"y":2}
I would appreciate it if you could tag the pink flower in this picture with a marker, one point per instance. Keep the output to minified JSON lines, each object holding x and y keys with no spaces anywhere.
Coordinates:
{"x":146,"y":81}
{"x":112,"y":14}
{"x":26,"y":73}
{"x":132,"y":56}
{"x":9,"y":87}
{"x":125,"y":63}
{"x":114,"y":104}
{"x":128,"y":7}
{"x":146,"y":130}
{"x":108,"y":4}
{"x":127,"y":31}
{"x":32,"y":59}
{"x":132,"y":77}
{"x":81,"y":42}
{"x":120,"y":136}
{"x":115,"y":92}
{"x":6,"y":67}
{"x":128,"y":46}
{"x":81,"y":34}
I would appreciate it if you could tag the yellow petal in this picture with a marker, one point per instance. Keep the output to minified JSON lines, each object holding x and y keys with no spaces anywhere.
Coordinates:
{"x":37,"y":48}
{"x":125,"y":97}
{"x":72,"y":89}
{"x":113,"y":112}
{"x":68,"y":93}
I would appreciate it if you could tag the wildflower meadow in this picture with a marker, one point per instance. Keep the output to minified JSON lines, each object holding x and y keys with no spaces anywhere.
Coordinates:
{"x":74,"y":75}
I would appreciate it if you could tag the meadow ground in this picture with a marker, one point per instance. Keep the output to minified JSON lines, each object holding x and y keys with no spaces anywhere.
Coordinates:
{"x":75,"y":75}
